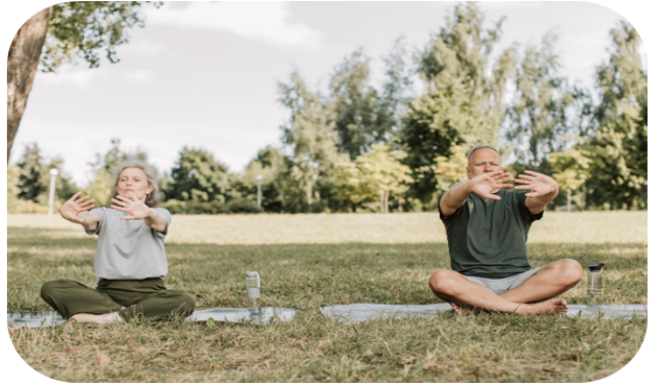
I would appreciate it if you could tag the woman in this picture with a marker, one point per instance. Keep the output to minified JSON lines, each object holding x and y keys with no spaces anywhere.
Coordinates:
{"x":130,"y":258}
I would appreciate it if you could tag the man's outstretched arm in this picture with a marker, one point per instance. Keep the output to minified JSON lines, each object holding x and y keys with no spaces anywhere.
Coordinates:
{"x":483,"y":185}
{"x":543,"y":190}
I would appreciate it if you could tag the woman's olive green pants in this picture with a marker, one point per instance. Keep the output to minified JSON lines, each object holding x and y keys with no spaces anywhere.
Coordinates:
{"x":147,"y":298}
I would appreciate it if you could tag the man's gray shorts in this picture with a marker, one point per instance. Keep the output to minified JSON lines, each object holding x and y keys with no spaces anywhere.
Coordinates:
{"x":502,"y":285}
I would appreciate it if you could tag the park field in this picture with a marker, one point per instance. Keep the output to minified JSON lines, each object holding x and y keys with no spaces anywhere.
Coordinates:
{"x":309,"y":261}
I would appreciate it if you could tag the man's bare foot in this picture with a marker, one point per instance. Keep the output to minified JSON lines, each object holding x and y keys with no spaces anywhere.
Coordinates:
{"x":462,"y":309}
{"x":108,"y":318}
{"x":553,"y":305}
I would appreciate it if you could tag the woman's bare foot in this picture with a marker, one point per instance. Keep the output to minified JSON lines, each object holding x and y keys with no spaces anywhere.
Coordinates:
{"x":97,"y":320}
{"x":554,"y":305}
{"x":108,"y":318}
{"x":83,"y":318}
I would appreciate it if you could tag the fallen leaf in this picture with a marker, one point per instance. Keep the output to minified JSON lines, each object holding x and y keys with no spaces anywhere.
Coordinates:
{"x":102,"y":359}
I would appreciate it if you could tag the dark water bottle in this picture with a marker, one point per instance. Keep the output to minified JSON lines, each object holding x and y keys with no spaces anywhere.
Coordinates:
{"x":595,"y":280}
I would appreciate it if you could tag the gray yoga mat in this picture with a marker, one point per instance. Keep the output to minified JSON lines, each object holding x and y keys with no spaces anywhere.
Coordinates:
{"x":355,"y":313}
{"x":262,"y":315}
{"x":361,"y":312}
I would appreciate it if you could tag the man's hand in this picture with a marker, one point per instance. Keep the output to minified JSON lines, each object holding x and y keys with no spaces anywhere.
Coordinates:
{"x":484,"y":184}
{"x":539,"y":184}
{"x":131,"y":205}
{"x":73,"y":206}
{"x":543,"y":190}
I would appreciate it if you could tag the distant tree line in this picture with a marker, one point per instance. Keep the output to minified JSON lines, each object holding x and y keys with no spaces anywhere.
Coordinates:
{"x":397,"y":145}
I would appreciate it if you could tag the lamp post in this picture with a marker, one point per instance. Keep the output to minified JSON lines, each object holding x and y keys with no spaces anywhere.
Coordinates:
{"x":259,"y":178}
{"x":53,"y":179}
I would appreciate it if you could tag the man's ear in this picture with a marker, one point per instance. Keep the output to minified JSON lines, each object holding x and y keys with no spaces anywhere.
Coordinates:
{"x":468,"y":172}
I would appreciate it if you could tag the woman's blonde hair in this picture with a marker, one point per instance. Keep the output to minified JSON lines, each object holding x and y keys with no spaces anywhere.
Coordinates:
{"x":152,"y":198}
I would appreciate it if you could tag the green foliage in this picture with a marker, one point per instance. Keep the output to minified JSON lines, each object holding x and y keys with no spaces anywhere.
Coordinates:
{"x":82,"y":29}
{"x":272,"y":166}
{"x":13,"y":173}
{"x":362,"y":116}
{"x":311,"y":135}
{"x":101,"y":188}
{"x":539,"y":116}
{"x":30,"y":179}
{"x":384,"y":173}
{"x":570,"y":169}
{"x":32,"y":168}
{"x":198,"y":177}
{"x":450,"y":170}
{"x":619,"y":174}
{"x":463,"y":98}
{"x":350,"y":185}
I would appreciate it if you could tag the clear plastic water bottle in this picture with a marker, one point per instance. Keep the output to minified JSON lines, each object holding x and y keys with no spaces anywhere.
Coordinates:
{"x":595,"y":280}
{"x":253,"y":288}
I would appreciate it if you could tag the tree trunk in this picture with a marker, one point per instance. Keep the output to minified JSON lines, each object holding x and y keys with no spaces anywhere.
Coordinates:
{"x":569,"y":200}
{"x":400,"y":204}
{"x":381,"y":201}
{"x":23,"y":59}
{"x":386,"y":202}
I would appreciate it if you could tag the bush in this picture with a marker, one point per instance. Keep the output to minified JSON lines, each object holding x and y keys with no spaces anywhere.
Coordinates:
{"x":175,"y":206}
{"x":20,"y":206}
{"x":194,"y":208}
{"x":242,"y":205}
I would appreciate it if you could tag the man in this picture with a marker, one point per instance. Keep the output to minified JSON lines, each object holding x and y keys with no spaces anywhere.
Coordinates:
{"x":487,"y":222}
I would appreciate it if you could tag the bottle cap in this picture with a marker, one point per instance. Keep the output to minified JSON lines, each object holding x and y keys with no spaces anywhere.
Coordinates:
{"x":596,"y":266}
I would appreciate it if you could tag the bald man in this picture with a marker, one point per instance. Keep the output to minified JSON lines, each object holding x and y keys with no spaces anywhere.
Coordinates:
{"x":487,"y":221}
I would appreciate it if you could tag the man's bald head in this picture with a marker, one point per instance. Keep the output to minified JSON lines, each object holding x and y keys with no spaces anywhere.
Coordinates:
{"x":481,"y":146}
{"x":483,"y":159}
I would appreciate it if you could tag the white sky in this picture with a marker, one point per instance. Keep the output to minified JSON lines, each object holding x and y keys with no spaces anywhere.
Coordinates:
{"x":205,"y":74}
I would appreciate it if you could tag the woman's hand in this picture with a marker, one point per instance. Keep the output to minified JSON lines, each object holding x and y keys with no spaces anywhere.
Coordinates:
{"x":131,"y":205}
{"x":73,"y":207}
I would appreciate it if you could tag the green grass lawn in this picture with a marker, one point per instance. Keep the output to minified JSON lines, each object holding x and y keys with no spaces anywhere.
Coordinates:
{"x":309,"y":261}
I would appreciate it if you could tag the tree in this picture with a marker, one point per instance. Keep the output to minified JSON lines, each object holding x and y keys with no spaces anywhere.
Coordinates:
{"x":32,"y":169}
{"x":198,"y":177}
{"x":463,"y":101}
{"x":539,"y":118}
{"x":310,"y":134}
{"x":571,"y":170}
{"x":270,"y":164}
{"x":13,"y":174}
{"x":452,"y":169}
{"x":60,"y":34}
{"x":620,"y":156}
{"x":350,"y":184}
{"x":358,"y":121}
{"x":396,"y":90}
{"x":384,"y":173}
{"x":24,"y":54}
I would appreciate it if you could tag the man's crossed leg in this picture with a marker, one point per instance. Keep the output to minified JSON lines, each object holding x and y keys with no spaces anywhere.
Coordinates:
{"x":533,"y":296}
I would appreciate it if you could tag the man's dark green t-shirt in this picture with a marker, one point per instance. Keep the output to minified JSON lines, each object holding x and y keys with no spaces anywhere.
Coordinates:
{"x":487,"y":238}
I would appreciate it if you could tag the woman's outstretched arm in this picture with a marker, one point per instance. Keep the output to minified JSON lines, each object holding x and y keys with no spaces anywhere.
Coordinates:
{"x":76,"y":210}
